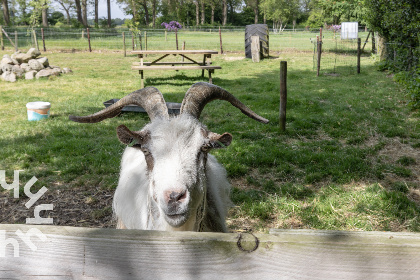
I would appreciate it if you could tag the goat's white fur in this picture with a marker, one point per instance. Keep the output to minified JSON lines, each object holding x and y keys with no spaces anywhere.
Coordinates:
{"x":174,"y":145}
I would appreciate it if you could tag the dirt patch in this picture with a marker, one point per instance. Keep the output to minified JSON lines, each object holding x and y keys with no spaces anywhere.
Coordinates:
{"x":233,"y":58}
{"x":87,"y":207}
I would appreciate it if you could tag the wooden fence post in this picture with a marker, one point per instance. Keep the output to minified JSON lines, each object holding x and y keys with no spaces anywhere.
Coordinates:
{"x":176,"y":36}
{"x":145,"y":40}
{"x":319,"y":51}
{"x":35,"y":40}
{"x":43,"y":39}
{"x":125,"y":51}
{"x":16,"y":40}
{"x":183,"y":48}
{"x":166,"y":36}
{"x":88,"y":36}
{"x":7,"y":36}
{"x":220,"y":36}
{"x":83,"y":34}
{"x":132,"y":39}
{"x":255,"y":48}
{"x":283,"y":94}
{"x":1,"y":38}
{"x":359,"y":42}
{"x":140,"y":40}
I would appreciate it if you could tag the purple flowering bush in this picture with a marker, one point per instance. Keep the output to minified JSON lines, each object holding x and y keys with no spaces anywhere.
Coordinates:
{"x":173,"y":25}
{"x":335,"y":27}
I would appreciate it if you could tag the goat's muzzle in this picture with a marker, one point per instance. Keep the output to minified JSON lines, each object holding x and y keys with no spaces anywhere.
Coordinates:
{"x":176,"y":207}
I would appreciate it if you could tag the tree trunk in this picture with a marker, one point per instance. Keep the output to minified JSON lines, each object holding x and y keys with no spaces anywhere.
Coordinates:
{"x":6,"y":14}
{"x":79,"y":11}
{"x":224,"y":12}
{"x":256,"y":11}
{"x":202,"y":12}
{"x":84,"y":13}
{"x":154,"y":13}
{"x":212,"y":13}
{"x":45,"y":16}
{"x":133,"y":8}
{"x":68,"y":16}
{"x":96,"y":13}
{"x":197,"y":12}
{"x":108,"y":7}
{"x":146,"y":12}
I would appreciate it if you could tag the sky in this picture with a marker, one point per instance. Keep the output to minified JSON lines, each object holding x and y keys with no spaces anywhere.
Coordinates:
{"x":116,"y":12}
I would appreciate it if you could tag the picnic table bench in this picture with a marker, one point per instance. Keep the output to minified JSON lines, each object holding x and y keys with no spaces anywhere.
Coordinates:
{"x":189,"y":64}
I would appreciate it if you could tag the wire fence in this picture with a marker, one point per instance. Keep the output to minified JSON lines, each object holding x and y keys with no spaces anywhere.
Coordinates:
{"x":339,"y":56}
{"x":403,"y":57}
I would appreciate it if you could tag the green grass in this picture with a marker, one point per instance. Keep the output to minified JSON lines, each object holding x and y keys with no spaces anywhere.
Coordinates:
{"x":347,"y":161}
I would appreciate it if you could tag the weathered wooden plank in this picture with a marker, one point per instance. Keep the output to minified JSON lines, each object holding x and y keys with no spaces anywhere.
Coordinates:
{"x":174,"y":52}
{"x":186,"y":67}
{"x":166,"y":63}
{"x":86,"y":253}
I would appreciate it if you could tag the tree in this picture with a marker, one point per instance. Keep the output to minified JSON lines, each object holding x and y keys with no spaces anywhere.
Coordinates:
{"x":108,"y":8}
{"x":146,"y":11}
{"x":154,"y":7}
{"x":280,"y":11}
{"x":84,"y":13}
{"x":203,"y":12}
{"x":24,"y":16}
{"x":6,"y":14}
{"x":79,"y":11}
{"x":254,"y":4}
{"x":197,"y":12}
{"x":45,"y":14}
{"x":224,"y":21}
{"x":213,"y":4}
{"x":67,"y":5}
{"x":96,"y":20}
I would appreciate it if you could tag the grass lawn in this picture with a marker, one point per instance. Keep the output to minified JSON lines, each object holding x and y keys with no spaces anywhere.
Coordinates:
{"x":349,"y":159}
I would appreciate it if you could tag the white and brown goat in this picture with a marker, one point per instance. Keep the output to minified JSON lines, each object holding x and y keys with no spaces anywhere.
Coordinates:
{"x":168,"y":181}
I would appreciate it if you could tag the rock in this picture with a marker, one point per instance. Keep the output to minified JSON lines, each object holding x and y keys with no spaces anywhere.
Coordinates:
{"x":30,"y":75}
{"x":35,"y":65}
{"x":44,"y":61}
{"x":23,"y":57}
{"x":7,"y":68}
{"x":34,"y":53}
{"x":9,"y":77}
{"x":15,"y":62}
{"x":18,"y":71}
{"x":47,"y":72}
{"x":57,"y":71}
{"x":66,"y":70}
{"x":6,"y":60}
{"x":25,"y":67}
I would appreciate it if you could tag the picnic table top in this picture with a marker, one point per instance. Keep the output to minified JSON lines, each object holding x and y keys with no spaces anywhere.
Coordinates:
{"x":175,"y":52}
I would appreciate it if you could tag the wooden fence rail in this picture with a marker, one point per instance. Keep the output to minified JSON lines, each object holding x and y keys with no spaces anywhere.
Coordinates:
{"x":87,"y":253}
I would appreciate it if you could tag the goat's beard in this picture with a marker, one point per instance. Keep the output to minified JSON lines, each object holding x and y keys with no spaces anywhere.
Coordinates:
{"x":177,"y":220}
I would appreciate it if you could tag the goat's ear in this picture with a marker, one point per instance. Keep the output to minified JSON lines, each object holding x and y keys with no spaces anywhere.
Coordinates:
{"x":218,"y":141}
{"x":132,"y":138}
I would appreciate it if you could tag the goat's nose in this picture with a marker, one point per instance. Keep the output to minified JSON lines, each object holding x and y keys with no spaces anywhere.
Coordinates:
{"x":173,"y":196}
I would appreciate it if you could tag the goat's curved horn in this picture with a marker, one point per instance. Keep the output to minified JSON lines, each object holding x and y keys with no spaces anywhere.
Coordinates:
{"x":150,"y":98}
{"x":202,"y":93}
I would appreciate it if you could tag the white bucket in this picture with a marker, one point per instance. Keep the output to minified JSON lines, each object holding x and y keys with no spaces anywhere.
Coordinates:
{"x":38,"y":110}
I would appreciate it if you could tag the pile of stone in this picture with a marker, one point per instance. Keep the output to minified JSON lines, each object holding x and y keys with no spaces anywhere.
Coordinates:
{"x":28,"y":66}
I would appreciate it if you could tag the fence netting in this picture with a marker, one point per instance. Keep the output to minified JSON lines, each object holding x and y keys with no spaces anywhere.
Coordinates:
{"x":338,"y":56}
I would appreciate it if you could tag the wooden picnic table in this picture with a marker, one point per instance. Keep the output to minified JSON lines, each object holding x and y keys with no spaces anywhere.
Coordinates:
{"x":188,"y":63}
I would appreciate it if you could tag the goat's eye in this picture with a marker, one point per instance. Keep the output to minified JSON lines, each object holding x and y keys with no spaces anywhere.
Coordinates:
{"x":145,"y":151}
{"x":205,"y":148}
